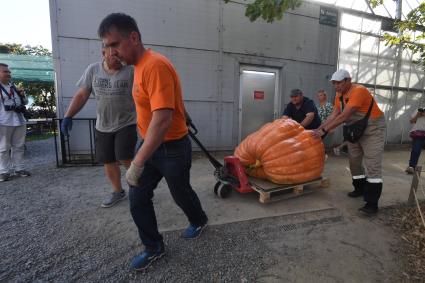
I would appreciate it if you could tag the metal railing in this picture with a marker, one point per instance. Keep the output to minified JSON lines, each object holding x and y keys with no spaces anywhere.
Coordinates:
{"x":418,"y":186}
{"x":65,"y":156}
{"x":39,"y":126}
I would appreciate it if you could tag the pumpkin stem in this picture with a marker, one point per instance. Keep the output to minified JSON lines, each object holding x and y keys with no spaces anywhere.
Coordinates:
{"x":254,"y":166}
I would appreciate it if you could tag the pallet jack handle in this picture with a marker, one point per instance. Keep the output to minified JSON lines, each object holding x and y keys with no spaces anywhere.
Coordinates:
{"x":192,"y":133}
{"x":190,"y":124}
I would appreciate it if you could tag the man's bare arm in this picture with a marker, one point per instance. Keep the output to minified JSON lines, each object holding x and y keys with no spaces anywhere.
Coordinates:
{"x":158,"y":127}
{"x":308,"y":119}
{"x":334,"y":114}
{"x":341,"y":118}
{"x":414,"y":119}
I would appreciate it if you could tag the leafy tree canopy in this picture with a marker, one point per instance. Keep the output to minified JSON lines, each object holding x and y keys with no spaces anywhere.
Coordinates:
{"x":411,"y":34}
{"x":19,"y":49}
{"x":268,"y":10}
{"x":42,"y":93}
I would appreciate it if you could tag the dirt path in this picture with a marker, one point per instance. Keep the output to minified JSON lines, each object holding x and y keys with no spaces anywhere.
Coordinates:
{"x":53,"y":229}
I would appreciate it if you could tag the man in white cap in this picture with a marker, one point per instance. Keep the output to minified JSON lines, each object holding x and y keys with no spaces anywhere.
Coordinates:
{"x":364,"y":130}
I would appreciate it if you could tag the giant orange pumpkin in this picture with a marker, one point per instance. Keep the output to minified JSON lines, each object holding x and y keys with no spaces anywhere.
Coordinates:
{"x":282,"y":152}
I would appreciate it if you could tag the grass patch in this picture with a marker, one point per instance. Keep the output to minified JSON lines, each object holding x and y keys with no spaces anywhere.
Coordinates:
{"x":37,"y":137}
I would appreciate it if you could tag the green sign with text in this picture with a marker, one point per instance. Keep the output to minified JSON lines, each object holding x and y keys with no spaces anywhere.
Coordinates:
{"x":328,"y":16}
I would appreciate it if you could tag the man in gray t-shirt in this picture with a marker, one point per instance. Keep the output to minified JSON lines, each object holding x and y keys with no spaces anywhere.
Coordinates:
{"x":116,"y":136}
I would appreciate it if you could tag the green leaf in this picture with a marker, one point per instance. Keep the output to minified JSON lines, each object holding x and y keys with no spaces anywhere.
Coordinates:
{"x":268,"y":10}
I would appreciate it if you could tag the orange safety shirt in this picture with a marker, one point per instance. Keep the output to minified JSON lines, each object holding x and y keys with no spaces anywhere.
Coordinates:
{"x":359,"y":97}
{"x":157,"y":86}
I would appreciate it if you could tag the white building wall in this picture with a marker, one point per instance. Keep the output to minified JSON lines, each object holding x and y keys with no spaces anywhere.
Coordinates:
{"x":207,"y":60}
{"x":298,"y":36}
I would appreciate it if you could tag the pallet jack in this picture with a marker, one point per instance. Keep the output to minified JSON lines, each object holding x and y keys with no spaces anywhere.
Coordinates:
{"x":231,"y":176}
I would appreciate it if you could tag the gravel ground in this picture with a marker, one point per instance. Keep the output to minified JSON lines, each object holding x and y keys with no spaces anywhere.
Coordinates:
{"x":406,"y":222}
{"x":53,"y":230}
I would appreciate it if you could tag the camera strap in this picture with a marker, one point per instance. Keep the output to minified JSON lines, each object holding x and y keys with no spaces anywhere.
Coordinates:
{"x":1,"y":93}
{"x":11,"y":95}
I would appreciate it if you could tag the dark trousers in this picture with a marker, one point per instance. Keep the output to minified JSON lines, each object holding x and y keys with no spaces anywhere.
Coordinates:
{"x":417,"y":144}
{"x":172,"y":160}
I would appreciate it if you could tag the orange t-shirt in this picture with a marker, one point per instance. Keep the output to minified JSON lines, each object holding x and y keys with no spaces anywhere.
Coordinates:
{"x":157,"y":86}
{"x":359,"y":98}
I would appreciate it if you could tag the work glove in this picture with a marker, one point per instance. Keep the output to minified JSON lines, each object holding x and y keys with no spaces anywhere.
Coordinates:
{"x":66,"y":126}
{"x":133,"y":174}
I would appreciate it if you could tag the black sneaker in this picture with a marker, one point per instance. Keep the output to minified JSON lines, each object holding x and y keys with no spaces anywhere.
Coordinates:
{"x":22,"y":173}
{"x":4,"y":177}
{"x":369,"y":209}
{"x":113,"y":199}
{"x":355,"y":194}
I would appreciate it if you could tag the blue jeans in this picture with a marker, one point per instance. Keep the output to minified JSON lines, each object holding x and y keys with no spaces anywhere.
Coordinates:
{"x":172,"y":160}
{"x":417,"y":144}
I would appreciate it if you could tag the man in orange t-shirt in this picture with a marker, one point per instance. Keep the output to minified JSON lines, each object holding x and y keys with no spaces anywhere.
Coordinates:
{"x":166,"y":149}
{"x":352,"y":103}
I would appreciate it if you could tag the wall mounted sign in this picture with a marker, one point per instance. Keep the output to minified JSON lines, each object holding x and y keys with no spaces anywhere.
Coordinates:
{"x":328,"y":16}
{"x":259,"y":94}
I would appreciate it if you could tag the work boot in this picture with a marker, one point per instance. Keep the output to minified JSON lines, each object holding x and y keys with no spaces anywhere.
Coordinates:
{"x":372,"y":193}
{"x":369,"y":208}
{"x":358,"y":185}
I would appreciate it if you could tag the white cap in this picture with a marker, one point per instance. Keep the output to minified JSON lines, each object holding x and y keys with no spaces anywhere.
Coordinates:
{"x":340,"y":75}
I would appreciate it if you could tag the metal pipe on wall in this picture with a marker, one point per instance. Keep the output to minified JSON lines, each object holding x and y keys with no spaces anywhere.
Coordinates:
{"x":220,"y":71}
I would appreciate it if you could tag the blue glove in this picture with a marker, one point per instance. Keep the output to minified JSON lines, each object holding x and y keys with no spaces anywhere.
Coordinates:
{"x":66,"y":126}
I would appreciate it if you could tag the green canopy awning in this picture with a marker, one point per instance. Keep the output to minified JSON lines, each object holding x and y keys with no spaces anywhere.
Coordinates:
{"x":29,"y":68}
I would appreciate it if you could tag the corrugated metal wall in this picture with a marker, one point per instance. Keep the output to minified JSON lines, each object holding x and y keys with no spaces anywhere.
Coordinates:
{"x":207,"y":41}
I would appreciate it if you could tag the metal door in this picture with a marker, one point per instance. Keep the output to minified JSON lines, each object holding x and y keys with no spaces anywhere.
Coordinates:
{"x":258,"y":103}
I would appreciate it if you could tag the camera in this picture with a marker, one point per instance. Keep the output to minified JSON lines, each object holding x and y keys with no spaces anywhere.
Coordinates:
{"x":16,"y":108}
{"x":421,"y":110}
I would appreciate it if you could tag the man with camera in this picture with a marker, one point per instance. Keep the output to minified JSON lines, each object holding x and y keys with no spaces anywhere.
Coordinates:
{"x":364,"y":131}
{"x":12,"y":127}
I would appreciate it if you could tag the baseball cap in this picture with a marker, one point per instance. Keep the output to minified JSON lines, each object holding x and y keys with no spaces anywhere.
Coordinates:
{"x":296,"y":92}
{"x":340,"y":75}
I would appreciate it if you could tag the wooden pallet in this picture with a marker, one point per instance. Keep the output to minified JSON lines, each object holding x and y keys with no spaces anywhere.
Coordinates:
{"x":271,"y":192}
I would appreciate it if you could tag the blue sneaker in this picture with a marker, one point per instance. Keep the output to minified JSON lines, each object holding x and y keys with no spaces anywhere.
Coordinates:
{"x":193,"y":231}
{"x":143,"y":260}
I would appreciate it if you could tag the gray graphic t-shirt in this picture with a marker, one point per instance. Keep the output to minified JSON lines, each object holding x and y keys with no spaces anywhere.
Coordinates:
{"x":115,"y":107}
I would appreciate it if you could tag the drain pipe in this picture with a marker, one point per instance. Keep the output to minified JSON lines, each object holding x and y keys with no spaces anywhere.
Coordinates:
{"x":220,"y":72}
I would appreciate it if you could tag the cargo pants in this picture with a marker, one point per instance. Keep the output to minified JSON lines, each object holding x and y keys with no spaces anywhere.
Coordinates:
{"x":365,"y":156}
